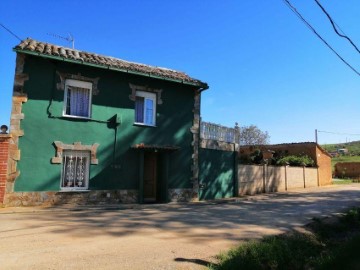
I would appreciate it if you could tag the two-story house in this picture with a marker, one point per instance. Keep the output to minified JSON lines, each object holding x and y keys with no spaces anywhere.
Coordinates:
{"x":92,"y":128}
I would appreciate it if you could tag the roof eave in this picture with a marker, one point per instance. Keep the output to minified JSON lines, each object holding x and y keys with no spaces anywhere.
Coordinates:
{"x":200,"y":85}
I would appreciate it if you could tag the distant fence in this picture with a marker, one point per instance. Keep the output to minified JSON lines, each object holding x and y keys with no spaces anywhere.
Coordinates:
{"x":254,"y":179}
{"x":210,"y":131}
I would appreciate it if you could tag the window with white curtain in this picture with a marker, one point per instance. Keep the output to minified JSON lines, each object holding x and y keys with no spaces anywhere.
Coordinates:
{"x":145,"y":108}
{"x":75,"y":170}
{"x":77,"y":99}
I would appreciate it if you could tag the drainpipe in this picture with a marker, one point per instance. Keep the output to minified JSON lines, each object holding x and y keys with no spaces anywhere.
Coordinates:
{"x":236,"y":161}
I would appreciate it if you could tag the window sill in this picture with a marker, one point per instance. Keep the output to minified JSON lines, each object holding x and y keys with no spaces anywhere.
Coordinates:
{"x":74,"y":190}
{"x":143,"y":125}
{"x":76,"y":117}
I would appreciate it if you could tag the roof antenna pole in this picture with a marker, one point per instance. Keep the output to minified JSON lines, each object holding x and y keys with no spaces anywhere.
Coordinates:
{"x":69,"y":38}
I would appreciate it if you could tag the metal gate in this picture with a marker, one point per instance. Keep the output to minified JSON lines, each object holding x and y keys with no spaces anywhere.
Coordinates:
{"x":216,"y":176}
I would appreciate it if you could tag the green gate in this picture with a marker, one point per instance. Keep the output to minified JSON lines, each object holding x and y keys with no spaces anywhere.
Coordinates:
{"x":216,"y":176}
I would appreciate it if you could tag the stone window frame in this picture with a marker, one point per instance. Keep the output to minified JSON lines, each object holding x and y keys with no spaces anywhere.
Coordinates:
{"x":78,"y":77}
{"x":60,"y":147}
{"x":145,"y":88}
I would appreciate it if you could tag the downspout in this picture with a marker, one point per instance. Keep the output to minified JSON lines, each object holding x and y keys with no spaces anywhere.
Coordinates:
{"x":236,"y":160}
{"x":198,"y":144}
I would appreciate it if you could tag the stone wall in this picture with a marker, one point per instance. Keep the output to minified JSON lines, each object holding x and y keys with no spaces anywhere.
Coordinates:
{"x":4,"y":153}
{"x":48,"y":198}
{"x":180,"y":195}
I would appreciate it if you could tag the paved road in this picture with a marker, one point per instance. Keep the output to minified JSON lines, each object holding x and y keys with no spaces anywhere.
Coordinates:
{"x":172,"y":236}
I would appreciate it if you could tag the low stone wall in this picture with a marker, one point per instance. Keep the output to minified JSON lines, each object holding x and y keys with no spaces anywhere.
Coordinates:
{"x":181,"y":195}
{"x":254,"y":179}
{"x":48,"y":198}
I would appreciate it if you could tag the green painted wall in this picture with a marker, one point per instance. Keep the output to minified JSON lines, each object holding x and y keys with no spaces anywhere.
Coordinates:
{"x":216,"y":174}
{"x":43,"y":125}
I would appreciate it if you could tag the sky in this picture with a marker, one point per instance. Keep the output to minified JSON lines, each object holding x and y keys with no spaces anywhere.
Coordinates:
{"x":263,"y":65}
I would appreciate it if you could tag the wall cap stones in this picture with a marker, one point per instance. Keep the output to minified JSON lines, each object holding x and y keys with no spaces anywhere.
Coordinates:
{"x":60,"y":147}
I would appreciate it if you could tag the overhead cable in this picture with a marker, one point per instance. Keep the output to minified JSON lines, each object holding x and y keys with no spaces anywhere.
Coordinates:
{"x":12,"y":33}
{"x":334,"y":26}
{"x":338,"y":133}
{"x":293,"y":9}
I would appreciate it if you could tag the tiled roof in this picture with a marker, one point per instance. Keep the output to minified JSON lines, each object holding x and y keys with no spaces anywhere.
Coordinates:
{"x":53,"y":51}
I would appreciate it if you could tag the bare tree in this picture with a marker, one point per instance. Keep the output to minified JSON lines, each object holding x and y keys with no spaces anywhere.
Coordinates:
{"x":252,"y":135}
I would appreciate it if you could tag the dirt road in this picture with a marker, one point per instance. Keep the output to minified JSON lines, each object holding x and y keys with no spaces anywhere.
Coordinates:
{"x":172,"y":236}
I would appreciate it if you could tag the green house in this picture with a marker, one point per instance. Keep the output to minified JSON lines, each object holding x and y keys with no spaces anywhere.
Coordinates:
{"x":92,"y":128}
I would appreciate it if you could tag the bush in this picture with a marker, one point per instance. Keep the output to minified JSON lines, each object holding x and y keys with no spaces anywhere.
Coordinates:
{"x":296,"y":161}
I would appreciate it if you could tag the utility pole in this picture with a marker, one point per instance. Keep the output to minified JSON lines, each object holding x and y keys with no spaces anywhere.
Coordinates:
{"x":316,"y":135}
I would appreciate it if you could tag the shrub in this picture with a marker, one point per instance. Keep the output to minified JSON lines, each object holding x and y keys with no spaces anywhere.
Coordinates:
{"x":296,"y":161}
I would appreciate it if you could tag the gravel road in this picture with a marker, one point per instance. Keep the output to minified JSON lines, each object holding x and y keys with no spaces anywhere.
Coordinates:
{"x":167,"y":236}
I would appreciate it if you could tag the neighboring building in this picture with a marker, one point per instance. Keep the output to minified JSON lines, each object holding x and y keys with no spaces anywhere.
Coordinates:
{"x":321,"y":157}
{"x":343,"y":151}
{"x":92,"y":128}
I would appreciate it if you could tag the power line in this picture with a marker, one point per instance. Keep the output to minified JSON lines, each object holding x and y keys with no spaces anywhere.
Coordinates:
{"x":293,"y":9}
{"x":12,"y":33}
{"x":338,"y":133}
{"x":334,"y":26}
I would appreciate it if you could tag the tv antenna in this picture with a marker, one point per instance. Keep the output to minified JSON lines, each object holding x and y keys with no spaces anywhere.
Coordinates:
{"x":69,"y":38}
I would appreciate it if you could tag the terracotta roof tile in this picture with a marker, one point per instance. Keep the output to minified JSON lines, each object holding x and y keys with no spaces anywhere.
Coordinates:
{"x":46,"y":49}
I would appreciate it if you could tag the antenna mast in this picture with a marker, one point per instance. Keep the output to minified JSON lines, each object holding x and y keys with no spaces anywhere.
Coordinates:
{"x":69,"y":38}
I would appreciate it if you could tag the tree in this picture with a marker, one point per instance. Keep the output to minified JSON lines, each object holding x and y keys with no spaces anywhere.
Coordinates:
{"x":252,"y":135}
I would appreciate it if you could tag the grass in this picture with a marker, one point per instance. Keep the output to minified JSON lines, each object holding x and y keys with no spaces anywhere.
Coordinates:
{"x":337,"y":181}
{"x":327,"y":244}
{"x":344,"y":159}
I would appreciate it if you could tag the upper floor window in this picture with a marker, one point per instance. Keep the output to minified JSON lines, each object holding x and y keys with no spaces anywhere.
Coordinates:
{"x":77,"y":99}
{"x":145,"y":108}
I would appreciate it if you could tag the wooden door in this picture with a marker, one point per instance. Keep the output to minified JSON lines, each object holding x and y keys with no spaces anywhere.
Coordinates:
{"x":150,"y":177}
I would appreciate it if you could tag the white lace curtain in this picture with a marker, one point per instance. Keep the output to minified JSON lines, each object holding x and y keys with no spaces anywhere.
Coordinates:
{"x":78,"y":101}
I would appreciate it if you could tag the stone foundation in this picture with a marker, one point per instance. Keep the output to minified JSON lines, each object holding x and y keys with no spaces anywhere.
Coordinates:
{"x":181,"y":195}
{"x":49,"y":198}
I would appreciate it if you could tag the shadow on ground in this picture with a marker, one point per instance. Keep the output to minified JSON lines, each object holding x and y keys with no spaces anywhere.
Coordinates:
{"x":200,"y":223}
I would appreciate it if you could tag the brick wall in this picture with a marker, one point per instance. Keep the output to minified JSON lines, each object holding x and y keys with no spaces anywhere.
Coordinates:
{"x":4,"y":151}
{"x":347,"y":169}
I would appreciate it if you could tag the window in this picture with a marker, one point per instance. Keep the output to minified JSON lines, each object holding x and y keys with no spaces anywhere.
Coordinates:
{"x":77,"y":99}
{"x":75,"y":170}
{"x":145,"y":108}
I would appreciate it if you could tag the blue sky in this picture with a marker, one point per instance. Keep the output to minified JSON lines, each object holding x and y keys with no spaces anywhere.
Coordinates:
{"x":263,"y":65}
